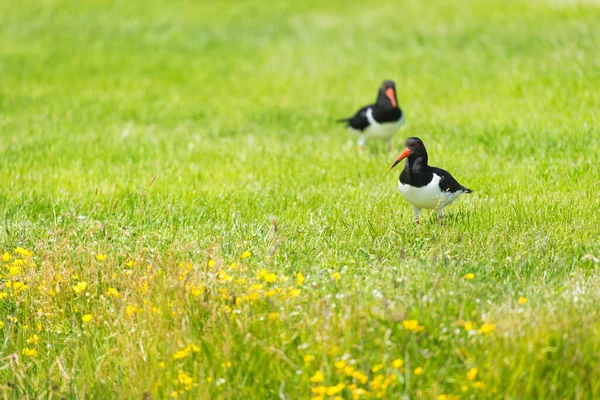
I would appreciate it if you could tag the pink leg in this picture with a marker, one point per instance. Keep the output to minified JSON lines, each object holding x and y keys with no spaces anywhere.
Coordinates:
{"x":416,"y":213}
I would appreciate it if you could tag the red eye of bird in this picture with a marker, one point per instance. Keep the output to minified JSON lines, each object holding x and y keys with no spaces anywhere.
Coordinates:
{"x":417,"y":144}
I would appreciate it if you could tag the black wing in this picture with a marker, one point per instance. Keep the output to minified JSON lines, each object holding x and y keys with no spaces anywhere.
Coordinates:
{"x":359,"y":121}
{"x":447,"y":181}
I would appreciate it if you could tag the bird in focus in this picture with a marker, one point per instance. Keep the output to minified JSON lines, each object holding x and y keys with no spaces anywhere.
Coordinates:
{"x":377,"y":121}
{"x":425,"y":186}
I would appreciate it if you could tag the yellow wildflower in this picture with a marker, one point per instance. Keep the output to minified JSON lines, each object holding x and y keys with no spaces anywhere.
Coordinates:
{"x":143,"y":288}
{"x":486,"y":328}
{"x":397,"y":363}
{"x":319,"y":390}
{"x":308,"y":358}
{"x":6,"y":257}
{"x":18,"y":263}
{"x":27,"y":352}
{"x":3,"y":295}
{"x":100,"y":257}
{"x":299,"y":279}
{"x":12,"y":271}
{"x":273,"y":316}
{"x":410,"y":324}
{"x":112,"y":292}
{"x":348,"y":370}
{"x":359,"y":376}
{"x":469,"y":276}
{"x":478,"y":385}
{"x":131,"y":309}
{"x":196,"y":290}
{"x":293,"y":293}
{"x":86,"y":318}
{"x":246,"y":254}
{"x":80,"y":287}
{"x":442,"y":397}
{"x":340,"y":364}
{"x":23,"y":252}
{"x":317,"y":377}
{"x":194,"y":348}
{"x":17,"y":286}
{"x":270,"y":277}
{"x":211,"y":263}
{"x":336,"y":276}
{"x":1,"y":324}
{"x":418,"y":371}
{"x":522,"y":300}
{"x":130,"y":263}
{"x":34,"y":339}
{"x":377,"y":368}
{"x":333,"y":390}
{"x":181,"y":354}
{"x":472,"y":374}
{"x":469,"y":325}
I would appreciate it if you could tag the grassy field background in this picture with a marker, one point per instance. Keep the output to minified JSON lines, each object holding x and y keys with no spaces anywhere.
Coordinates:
{"x":181,"y":217}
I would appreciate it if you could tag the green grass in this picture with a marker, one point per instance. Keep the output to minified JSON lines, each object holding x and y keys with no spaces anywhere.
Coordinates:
{"x":171,"y":135}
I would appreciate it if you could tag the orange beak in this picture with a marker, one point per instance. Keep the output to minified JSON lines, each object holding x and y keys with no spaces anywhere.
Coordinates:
{"x":404,"y":154}
{"x":390,"y":94}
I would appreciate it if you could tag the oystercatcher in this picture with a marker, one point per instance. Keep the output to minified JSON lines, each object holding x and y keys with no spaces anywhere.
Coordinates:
{"x":425,"y":186}
{"x":377,"y":121}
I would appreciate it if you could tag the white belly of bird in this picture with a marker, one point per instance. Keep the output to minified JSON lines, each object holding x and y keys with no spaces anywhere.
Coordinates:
{"x":429,"y":196}
{"x":376,"y":130}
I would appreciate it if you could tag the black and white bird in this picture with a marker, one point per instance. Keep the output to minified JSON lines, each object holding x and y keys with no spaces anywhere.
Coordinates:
{"x":377,"y":121}
{"x":425,"y":186}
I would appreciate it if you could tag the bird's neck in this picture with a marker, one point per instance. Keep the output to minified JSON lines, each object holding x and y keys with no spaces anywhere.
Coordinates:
{"x":416,"y":172}
{"x":383,"y":102}
{"x":416,"y":167}
{"x":416,"y":164}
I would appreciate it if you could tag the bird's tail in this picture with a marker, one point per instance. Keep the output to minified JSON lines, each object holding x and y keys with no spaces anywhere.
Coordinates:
{"x":467,"y":190}
{"x":340,"y":120}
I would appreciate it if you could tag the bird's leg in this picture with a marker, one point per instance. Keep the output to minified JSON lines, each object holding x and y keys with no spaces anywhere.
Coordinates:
{"x":416,"y":213}
{"x":361,"y":146}
{"x":440,"y":214}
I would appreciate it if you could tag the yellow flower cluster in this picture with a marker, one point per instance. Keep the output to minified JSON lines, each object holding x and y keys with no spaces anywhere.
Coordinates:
{"x":184,"y":382}
{"x":112,"y":292}
{"x":486,"y":328}
{"x":379,"y":384}
{"x":246,"y":255}
{"x":186,"y":351}
{"x":412,"y":325}
{"x":15,"y":265}
{"x":80,"y":287}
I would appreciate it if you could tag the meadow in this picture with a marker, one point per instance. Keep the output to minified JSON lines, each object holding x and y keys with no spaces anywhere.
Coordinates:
{"x":182,"y":217}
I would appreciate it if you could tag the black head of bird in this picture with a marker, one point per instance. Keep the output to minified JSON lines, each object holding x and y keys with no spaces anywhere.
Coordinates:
{"x":387,"y":95}
{"x":413,"y":148}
